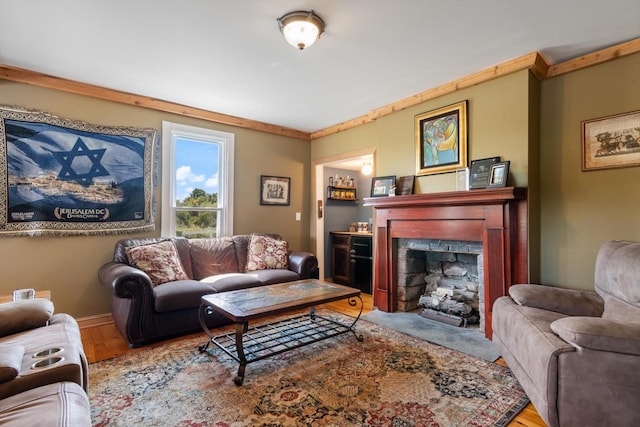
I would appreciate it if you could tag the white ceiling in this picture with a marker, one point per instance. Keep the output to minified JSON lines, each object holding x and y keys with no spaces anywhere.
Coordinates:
{"x":228,"y":56}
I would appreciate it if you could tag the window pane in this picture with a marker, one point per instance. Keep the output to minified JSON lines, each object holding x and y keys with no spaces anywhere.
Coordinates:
{"x":197,"y":173}
{"x":195,"y":224}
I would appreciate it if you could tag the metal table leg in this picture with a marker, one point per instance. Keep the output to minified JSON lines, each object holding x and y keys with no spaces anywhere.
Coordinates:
{"x":241,"y":328}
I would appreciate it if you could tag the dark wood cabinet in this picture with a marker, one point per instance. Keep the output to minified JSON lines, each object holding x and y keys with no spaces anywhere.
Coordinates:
{"x":340,"y":258}
{"x":351,"y":260}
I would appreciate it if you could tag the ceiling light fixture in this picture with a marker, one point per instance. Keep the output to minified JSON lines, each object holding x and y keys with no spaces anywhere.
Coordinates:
{"x":367,"y":169}
{"x":301,"y":28}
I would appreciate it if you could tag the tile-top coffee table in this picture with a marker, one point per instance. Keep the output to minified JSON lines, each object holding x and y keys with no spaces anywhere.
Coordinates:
{"x":248,"y":345}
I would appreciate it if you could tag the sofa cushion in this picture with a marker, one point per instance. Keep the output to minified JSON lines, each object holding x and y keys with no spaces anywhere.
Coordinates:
{"x":270,"y":277}
{"x":231,"y":282}
{"x":213,"y":256}
{"x":267,"y":253}
{"x":179,"y":295}
{"x":570,"y":302}
{"x":618,"y":271}
{"x":620,"y":311}
{"x":10,"y":361}
{"x":18,"y":316}
{"x":159,"y":260}
{"x":599,"y":334}
{"x":54,"y":405}
{"x":241,"y":242}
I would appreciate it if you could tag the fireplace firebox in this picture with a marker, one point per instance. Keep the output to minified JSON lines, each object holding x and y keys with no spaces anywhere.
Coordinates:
{"x":497,"y":218}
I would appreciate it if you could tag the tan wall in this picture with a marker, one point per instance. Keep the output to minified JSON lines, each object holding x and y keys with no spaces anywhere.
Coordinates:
{"x":581,"y":210}
{"x":571,"y":213}
{"x":578,"y":210}
{"x":500,"y":124}
{"x":68,"y":265}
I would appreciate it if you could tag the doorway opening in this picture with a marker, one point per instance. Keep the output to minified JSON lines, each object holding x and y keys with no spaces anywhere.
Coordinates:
{"x":332,"y":215}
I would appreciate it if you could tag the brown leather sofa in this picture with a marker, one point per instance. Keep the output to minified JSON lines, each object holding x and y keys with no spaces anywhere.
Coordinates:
{"x":576,"y":353}
{"x":43,"y":368}
{"x":144,"y":313}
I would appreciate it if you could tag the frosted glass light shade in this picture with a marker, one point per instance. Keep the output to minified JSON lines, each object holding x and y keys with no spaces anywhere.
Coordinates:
{"x":367,"y":169}
{"x":301,"y":29}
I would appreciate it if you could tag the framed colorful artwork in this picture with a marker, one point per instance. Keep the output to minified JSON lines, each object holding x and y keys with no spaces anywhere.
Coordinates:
{"x":441,"y":140}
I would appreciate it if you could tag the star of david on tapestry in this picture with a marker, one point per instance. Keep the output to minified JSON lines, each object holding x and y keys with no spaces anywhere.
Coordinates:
{"x":66,"y":177}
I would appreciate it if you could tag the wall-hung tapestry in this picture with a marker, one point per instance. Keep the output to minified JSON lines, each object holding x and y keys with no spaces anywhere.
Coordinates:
{"x":66,"y":177}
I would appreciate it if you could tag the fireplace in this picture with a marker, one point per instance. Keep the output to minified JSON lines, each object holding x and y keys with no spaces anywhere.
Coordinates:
{"x":496,"y":218}
{"x":444,"y":278}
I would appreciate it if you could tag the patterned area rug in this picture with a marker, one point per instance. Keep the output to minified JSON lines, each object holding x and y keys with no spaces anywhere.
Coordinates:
{"x":389,"y":379}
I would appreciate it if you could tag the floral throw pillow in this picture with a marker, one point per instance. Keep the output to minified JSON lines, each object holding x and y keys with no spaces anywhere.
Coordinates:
{"x":159,"y":260}
{"x":267,"y":253}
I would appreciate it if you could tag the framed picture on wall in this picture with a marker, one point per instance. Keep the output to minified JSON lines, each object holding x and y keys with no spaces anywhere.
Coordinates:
{"x":441,"y":139}
{"x":611,"y":142}
{"x":275,"y":190}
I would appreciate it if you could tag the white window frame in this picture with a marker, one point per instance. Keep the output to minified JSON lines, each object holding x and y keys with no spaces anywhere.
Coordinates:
{"x":172,"y":131}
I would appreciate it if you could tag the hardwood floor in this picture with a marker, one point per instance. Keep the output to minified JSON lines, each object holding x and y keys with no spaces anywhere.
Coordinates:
{"x":103,"y":341}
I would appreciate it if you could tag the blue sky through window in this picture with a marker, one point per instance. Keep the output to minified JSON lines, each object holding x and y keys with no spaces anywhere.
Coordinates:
{"x":197,"y":166}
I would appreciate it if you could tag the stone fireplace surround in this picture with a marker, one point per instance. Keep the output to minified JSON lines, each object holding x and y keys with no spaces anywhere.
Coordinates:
{"x":427,"y":266}
{"x":497,"y":217}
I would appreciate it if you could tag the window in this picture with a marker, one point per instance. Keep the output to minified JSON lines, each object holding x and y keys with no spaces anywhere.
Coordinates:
{"x":197,"y":181}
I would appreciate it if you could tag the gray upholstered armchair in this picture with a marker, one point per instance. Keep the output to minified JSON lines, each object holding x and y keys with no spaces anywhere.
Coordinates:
{"x":577,"y":353}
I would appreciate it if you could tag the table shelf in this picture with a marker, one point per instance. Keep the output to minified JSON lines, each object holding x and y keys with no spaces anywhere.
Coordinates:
{"x":250,"y":344}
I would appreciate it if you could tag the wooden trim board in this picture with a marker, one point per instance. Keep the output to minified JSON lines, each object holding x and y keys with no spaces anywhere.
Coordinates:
{"x":534,"y":61}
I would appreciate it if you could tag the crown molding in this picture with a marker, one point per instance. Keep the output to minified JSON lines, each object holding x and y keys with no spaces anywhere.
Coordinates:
{"x":38,"y":79}
{"x":534,"y":62}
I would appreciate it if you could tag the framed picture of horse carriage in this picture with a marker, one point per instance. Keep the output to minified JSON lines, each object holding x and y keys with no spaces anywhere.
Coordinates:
{"x":611,"y":142}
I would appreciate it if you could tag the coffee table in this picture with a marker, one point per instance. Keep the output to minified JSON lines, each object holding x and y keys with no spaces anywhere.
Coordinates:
{"x":250,"y":344}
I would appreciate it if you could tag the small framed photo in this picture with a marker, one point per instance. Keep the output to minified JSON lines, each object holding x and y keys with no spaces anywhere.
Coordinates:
{"x":275,"y":190}
{"x":499,"y":174}
{"x":480,"y":171}
{"x":382,"y":185}
{"x":405,"y":185}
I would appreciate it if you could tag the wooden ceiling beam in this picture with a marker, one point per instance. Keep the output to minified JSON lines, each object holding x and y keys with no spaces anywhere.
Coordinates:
{"x":599,"y":57}
{"x":533,"y":61}
{"x":85,"y":89}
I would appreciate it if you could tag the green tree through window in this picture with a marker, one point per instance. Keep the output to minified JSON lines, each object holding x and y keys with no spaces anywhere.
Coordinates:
{"x":196,"y":223}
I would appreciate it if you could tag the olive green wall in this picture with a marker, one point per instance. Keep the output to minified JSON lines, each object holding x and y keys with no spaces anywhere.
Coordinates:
{"x":68,"y":266}
{"x":534,"y":124}
{"x":502,"y":122}
{"x":498,"y":126}
{"x":581,"y":210}
{"x":537,"y":126}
